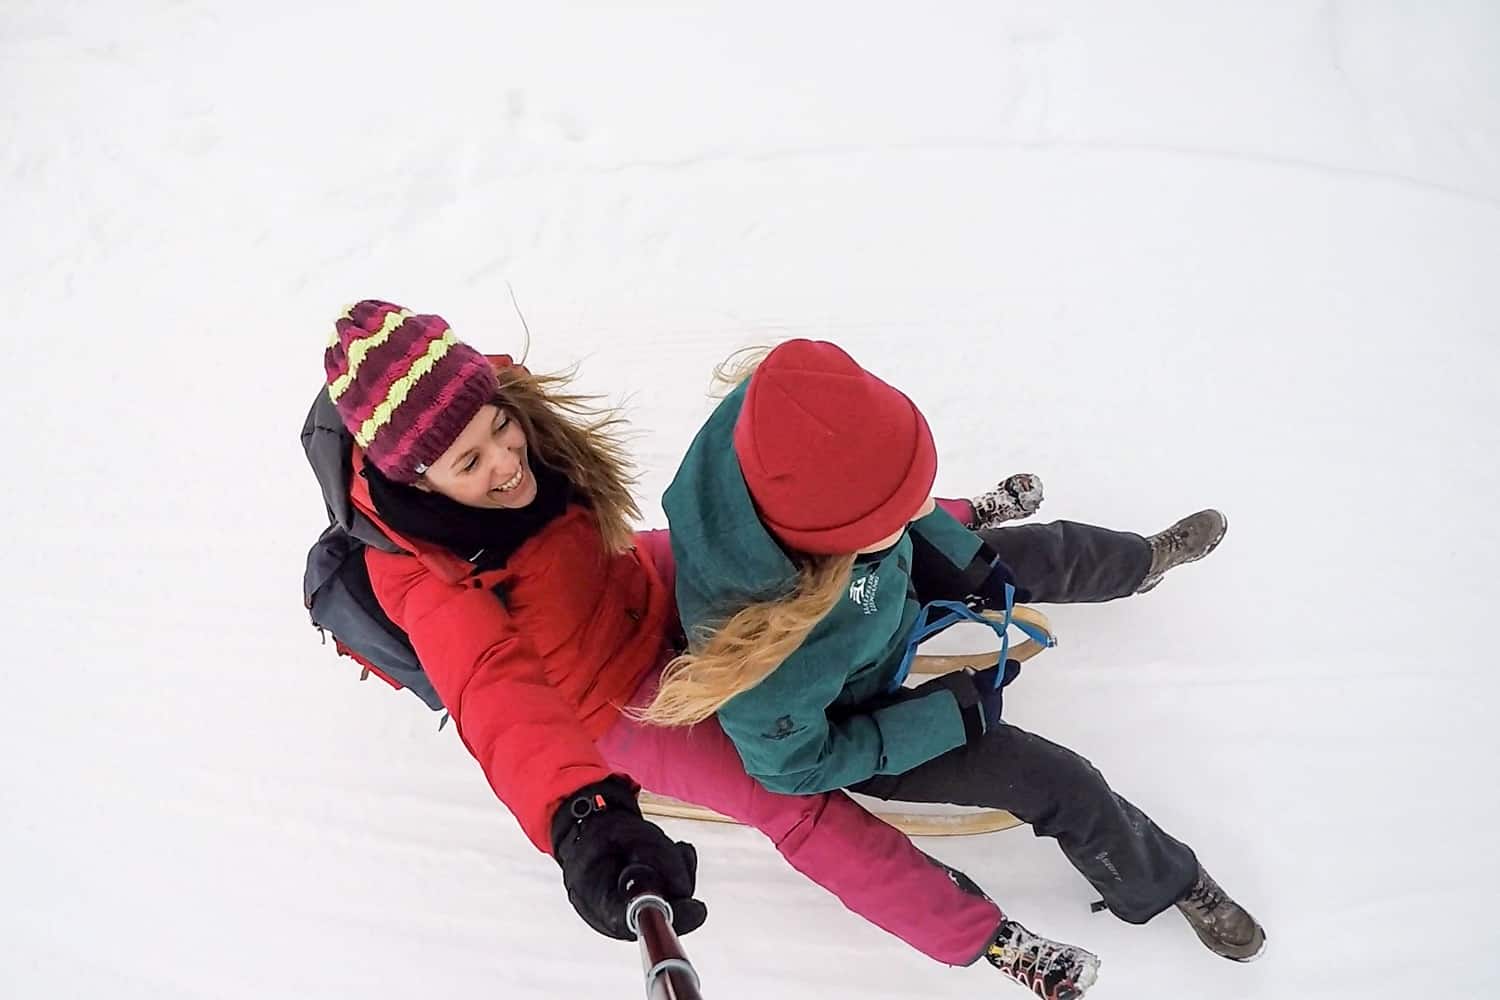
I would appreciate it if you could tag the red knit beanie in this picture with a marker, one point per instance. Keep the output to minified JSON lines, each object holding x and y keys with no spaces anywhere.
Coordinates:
{"x":835,"y":459}
{"x":404,"y":385}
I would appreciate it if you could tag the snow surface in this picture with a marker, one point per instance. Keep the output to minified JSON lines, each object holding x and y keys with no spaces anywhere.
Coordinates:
{"x":1166,"y":255}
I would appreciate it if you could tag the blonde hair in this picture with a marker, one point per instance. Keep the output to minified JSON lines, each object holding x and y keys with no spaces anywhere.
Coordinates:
{"x":740,"y":653}
{"x":745,"y":650}
{"x":581,"y":440}
{"x":737,"y":368}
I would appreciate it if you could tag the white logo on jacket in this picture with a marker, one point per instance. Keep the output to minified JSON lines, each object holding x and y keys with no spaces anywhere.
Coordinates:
{"x":862,"y":592}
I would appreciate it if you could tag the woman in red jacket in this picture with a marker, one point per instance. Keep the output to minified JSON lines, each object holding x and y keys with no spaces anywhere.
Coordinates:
{"x":539,"y":616}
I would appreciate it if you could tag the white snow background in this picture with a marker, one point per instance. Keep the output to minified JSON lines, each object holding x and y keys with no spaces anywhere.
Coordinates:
{"x":1166,"y":255}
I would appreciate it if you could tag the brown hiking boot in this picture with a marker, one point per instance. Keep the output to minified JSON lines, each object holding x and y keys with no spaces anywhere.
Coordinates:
{"x":1189,"y":540}
{"x":1223,"y":925}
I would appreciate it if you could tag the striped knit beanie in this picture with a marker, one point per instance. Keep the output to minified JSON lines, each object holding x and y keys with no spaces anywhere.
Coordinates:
{"x":404,"y":385}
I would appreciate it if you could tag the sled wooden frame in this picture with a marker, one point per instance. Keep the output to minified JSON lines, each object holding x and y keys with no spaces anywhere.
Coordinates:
{"x":910,"y":823}
{"x":1020,"y":652}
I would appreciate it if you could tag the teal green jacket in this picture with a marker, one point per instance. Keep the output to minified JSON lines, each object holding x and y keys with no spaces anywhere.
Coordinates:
{"x":826,"y":717}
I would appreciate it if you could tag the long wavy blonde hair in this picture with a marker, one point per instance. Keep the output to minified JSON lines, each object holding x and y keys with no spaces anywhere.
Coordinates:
{"x":582,"y":440}
{"x":726,"y":659}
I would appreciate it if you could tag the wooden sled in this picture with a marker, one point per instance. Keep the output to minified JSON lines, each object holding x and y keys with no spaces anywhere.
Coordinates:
{"x":910,"y":823}
{"x":913,"y":824}
{"x":1021,"y":651}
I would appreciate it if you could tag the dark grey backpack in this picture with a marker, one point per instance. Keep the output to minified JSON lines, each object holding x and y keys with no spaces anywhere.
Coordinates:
{"x":336,"y":586}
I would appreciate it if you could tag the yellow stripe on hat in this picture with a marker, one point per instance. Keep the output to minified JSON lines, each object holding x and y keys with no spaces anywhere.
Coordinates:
{"x":347,"y":314}
{"x":401,"y":387}
{"x":359,"y":349}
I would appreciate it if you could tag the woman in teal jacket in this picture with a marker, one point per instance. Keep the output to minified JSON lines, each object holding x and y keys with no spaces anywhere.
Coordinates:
{"x":806,"y":543}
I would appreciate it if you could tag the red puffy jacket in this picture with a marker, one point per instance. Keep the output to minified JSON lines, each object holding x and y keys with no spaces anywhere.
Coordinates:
{"x":532,"y":680}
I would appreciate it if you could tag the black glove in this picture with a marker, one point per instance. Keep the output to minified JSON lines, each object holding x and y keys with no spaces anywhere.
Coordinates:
{"x":988,"y":683}
{"x":961,"y":685}
{"x":990,"y":593}
{"x":597,"y":833}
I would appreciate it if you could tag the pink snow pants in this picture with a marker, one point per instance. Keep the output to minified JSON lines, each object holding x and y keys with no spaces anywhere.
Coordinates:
{"x":869,"y":865}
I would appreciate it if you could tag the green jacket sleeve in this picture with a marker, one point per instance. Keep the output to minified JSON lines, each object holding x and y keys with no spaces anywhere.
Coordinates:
{"x":788,"y":743}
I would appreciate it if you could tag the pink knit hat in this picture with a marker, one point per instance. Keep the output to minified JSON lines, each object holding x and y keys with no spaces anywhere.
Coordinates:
{"x":404,"y":385}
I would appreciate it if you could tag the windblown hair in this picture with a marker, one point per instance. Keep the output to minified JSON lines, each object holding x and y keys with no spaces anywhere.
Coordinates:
{"x":737,"y":368}
{"x":584,"y":441}
{"x":741,"y":652}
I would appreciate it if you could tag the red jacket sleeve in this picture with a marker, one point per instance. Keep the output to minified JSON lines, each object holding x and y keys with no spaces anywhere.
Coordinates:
{"x":525,"y":735}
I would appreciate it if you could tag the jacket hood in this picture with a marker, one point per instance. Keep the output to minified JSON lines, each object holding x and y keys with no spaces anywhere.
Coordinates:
{"x":725,"y":556}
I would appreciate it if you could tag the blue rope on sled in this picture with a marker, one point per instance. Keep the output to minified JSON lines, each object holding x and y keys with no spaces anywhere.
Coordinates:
{"x":937,"y":616}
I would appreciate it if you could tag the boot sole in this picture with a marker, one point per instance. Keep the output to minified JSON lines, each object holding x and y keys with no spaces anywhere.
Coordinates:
{"x":1210,"y":944}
